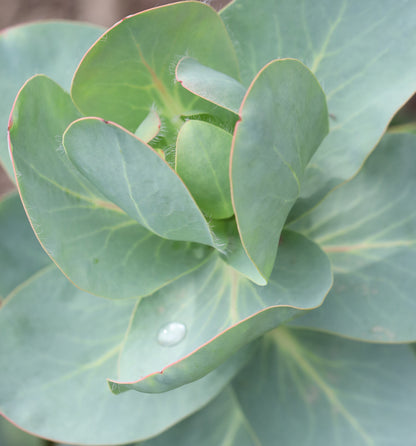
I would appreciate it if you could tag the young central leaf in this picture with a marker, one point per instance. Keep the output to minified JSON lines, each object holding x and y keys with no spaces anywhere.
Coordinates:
{"x":210,"y":84}
{"x":131,"y":69}
{"x":134,"y":177}
{"x":202,"y":161}
{"x":283,"y":119}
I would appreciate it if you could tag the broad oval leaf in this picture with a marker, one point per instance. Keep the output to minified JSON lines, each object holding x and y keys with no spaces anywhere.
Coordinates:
{"x":134,"y":177}
{"x":339,"y":391}
{"x":363,"y":55}
{"x":210,"y":84}
{"x":274,"y":140}
{"x":51,"y":48}
{"x":221,"y":311}
{"x":58,"y":356}
{"x":97,"y":245}
{"x":131,"y":69}
{"x":368,"y":229}
{"x":16,"y":238}
{"x":203,"y":161}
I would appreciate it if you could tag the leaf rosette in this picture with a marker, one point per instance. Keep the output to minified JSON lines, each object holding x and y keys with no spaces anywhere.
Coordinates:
{"x":178,"y":181}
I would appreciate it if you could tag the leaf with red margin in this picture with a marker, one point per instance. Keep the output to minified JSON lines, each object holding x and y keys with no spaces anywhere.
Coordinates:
{"x":283,"y":119}
{"x":367,"y":226}
{"x":210,"y":84}
{"x":97,"y":245}
{"x":131,"y":69}
{"x":362,"y":53}
{"x":149,"y":128}
{"x":134,"y":177}
{"x":52,"y":48}
{"x":59,"y":344}
{"x":222,"y":311}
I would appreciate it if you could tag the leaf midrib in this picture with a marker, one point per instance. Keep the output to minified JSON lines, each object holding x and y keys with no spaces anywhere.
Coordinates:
{"x":287,"y":344}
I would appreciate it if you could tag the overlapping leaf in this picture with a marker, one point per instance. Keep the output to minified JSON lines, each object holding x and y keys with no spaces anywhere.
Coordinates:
{"x":339,"y":391}
{"x":220,"y":423}
{"x":202,"y":161}
{"x":61,"y":344}
{"x":97,"y":245}
{"x":16,"y":238}
{"x":149,"y":127}
{"x":222,"y":311}
{"x":134,"y":177}
{"x":132,"y":68}
{"x":368,"y":229}
{"x":274,"y":140}
{"x":363,"y":55}
{"x":210,"y":84}
{"x":52,"y":48}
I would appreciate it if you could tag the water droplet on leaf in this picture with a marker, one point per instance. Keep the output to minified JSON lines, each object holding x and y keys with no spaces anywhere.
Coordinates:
{"x":171,"y":334}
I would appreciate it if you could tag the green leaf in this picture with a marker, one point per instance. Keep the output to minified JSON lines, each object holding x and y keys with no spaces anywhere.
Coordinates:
{"x":131,"y":69}
{"x":11,"y":436}
{"x":221,"y":311}
{"x":210,"y":84}
{"x":274,"y":140}
{"x":233,"y":250}
{"x":52,"y":48}
{"x":220,"y":423}
{"x":203,"y":162}
{"x":363,"y":55}
{"x":149,"y":128}
{"x":134,"y":177}
{"x":368,"y":228}
{"x":96,"y":244}
{"x":16,"y":237}
{"x":61,"y":345}
{"x":338,"y":391}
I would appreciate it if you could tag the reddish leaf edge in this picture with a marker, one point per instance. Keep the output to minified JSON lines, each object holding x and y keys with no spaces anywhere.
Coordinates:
{"x":240,"y":119}
{"x":141,"y":384}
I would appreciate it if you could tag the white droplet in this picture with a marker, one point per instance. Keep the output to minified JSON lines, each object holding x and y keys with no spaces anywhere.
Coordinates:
{"x":171,"y":334}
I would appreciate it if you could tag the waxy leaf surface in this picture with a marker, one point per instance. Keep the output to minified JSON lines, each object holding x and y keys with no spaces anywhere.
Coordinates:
{"x":61,"y":356}
{"x":274,"y":140}
{"x":202,"y":161}
{"x":58,"y":358}
{"x":51,"y":48}
{"x":368,"y":228}
{"x":134,"y":177}
{"x":363,"y":55}
{"x":97,"y":245}
{"x":338,"y":391}
{"x":149,"y":128}
{"x":131,"y":69}
{"x":220,"y":423}
{"x":20,"y":253}
{"x":222,"y":311}
{"x":12,"y":436}
{"x":210,"y":84}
